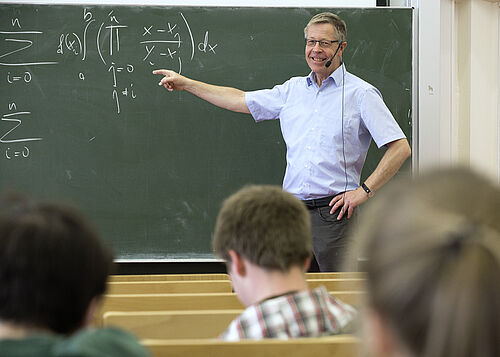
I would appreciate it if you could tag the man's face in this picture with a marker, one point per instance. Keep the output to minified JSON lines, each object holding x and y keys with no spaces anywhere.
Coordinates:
{"x":317,"y":55}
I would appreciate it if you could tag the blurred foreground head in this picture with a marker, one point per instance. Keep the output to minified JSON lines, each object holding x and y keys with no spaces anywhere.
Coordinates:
{"x":432,"y":250}
{"x":52,"y":265}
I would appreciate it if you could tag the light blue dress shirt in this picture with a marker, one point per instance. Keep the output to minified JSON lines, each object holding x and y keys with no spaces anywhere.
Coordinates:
{"x":311,"y":124}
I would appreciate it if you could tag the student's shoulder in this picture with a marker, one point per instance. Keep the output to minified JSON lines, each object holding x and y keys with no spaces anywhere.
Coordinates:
{"x":32,"y":346}
{"x":101,"y":342}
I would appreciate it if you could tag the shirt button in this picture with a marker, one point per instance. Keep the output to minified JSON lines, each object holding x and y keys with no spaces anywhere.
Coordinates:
{"x":308,"y":147}
{"x":312,"y":129}
{"x":315,"y":110}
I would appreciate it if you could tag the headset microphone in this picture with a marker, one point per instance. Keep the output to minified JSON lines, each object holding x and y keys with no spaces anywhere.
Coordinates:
{"x":329,"y":62}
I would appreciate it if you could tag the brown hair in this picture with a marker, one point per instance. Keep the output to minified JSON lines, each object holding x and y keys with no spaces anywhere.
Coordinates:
{"x":433,"y":262}
{"x":52,"y":264}
{"x":332,"y":19}
{"x":266,"y":225}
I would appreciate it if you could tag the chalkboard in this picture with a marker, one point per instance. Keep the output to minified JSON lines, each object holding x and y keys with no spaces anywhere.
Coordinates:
{"x":84,"y":120}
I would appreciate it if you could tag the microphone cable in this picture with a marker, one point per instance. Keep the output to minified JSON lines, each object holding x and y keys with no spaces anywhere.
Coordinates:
{"x":343,"y":140}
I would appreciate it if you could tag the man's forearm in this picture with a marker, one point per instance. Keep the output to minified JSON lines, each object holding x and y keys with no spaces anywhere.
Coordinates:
{"x":397,"y":153}
{"x":225,"y":97}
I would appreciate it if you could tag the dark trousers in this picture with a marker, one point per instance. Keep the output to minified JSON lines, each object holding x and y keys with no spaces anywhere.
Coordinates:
{"x":329,"y":238}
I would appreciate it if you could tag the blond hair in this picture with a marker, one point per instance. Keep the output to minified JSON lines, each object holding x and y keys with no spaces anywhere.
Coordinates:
{"x":433,"y":263}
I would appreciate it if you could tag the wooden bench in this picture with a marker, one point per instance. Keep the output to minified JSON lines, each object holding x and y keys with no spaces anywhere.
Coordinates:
{"x":353,"y":284}
{"x":336,"y":275}
{"x":328,"y":346}
{"x":173,"y":324}
{"x":168,"y":277}
{"x":215,"y":286}
{"x":197,"y":301}
{"x":170,"y":287}
{"x":221,"y":276}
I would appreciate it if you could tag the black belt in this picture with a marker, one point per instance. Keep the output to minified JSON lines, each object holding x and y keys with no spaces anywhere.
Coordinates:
{"x":318,"y":202}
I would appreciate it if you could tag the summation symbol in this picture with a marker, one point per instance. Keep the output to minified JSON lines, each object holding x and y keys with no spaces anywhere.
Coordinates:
{"x":8,"y":135}
{"x":17,"y":42}
{"x":102,"y":32}
{"x":15,"y":117}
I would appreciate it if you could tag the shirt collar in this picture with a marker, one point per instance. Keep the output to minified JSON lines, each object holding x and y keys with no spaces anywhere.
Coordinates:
{"x":336,"y":76}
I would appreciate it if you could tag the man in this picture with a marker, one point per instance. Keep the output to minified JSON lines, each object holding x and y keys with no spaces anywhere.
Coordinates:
{"x":264,"y":235}
{"x":53,"y":271}
{"x":327,"y":120}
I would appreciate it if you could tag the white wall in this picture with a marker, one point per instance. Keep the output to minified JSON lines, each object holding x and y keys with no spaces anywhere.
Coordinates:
{"x":459,"y":61}
{"x":429,"y":84}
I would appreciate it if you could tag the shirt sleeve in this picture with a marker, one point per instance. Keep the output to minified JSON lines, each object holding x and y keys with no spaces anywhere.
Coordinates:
{"x":266,"y":104}
{"x":231,"y":333}
{"x":378,"y":119}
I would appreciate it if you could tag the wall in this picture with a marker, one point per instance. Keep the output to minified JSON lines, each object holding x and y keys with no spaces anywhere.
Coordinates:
{"x":459,"y":117}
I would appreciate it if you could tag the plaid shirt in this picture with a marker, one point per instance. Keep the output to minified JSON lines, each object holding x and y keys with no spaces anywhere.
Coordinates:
{"x":310,"y":313}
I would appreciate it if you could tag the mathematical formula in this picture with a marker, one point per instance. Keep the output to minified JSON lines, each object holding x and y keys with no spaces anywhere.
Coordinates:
{"x":93,"y":34}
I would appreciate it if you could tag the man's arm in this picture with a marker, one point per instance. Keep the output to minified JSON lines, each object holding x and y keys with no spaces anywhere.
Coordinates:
{"x":397,"y":152}
{"x":225,"y":97}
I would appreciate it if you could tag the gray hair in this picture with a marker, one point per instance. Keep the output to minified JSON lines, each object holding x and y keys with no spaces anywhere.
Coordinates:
{"x":332,"y":19}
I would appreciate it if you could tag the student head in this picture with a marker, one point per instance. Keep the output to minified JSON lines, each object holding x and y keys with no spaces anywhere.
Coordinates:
{"x":267,"y":227}
{"x":432,"y":246}
{"x":53,"y":266}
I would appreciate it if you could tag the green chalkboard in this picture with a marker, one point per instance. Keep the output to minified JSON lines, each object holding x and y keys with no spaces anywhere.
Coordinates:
{"x":84,"y":120}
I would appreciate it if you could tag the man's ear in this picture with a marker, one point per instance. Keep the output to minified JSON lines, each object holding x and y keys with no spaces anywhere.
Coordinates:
{"x":237,"y":263}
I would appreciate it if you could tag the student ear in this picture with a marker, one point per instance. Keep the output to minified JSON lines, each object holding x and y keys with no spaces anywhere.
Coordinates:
{"x":237,"y":263}
{"x":91,"y":311}
{"x":307,"y":264}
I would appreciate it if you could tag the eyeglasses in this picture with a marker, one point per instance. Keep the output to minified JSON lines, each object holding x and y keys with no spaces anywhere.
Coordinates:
{"x":322,"y":43}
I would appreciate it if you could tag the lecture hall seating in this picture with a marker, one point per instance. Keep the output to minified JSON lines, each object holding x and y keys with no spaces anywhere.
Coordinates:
{"x":328,"y":346}
{"x":195,"y":301}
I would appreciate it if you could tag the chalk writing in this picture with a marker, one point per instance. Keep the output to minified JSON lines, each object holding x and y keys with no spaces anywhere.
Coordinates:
{"x":167,"y":41}
{"x":24,"y":77}
{"x":202,"y":46}
{"x":100,"y":35}
{"x":16,"y":117}
{"x":13,"y":153}
{"x":16,"y":41}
